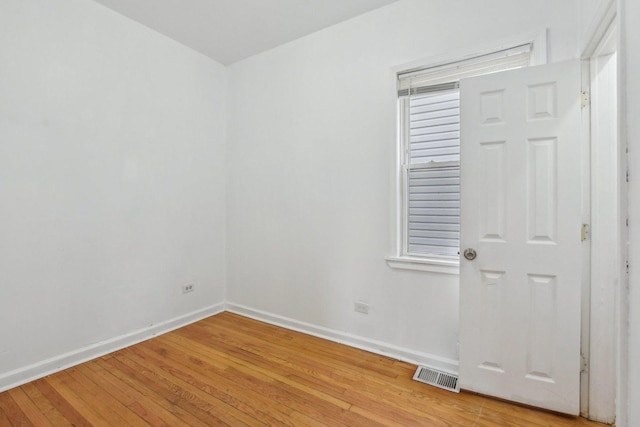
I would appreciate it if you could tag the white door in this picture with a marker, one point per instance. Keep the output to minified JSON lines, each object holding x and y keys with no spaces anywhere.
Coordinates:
{"x":521,"y":213}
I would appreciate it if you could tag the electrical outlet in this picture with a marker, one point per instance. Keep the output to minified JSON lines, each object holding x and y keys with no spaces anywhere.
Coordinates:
{"x":361,"y":307}
{"x":188,"y":288}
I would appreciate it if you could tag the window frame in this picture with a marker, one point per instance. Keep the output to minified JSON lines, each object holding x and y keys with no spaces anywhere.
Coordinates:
{"x":402,"y":258}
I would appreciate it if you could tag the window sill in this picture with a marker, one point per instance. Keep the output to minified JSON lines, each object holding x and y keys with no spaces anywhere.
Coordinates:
{"x":444,"y":265}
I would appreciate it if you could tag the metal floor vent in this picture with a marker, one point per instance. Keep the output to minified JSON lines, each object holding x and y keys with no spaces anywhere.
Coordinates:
{"x":437,"y":378}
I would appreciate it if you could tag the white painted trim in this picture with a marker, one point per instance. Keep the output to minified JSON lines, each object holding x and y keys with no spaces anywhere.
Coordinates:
{"x":540,"y":55}
{"x":351,"y":340}
{"x":597,"y":29}
{"x":601,"y":316}
{"x":585,"y":159}
{"x":58,"y":363}
{"x":396,"y":176}
{"x":605,"y":236}
{"x":432,"y":264}
{"x":403,"y":196}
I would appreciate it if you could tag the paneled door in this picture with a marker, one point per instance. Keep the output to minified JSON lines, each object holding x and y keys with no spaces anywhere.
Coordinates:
{"x":521,"y":246}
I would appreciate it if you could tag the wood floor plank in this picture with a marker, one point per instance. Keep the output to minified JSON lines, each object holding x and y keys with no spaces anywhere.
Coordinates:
{"x":268,"y":350}
{"x":408,"y":416}
{"x":148,"y":410}
{"x":73,"y":393}
{"x":130,"y":383}
{"x":251,"y":384}
{"x":176,"y":395}
{"x":228,"y":370}
{"x":29,"y":408}
{"x":300,"y":419}
{"x":279,"y":372}
{"x":317,"y":405}
{"x":228,"y":412}
{"x":125,"y":374}
{"x":286,"y":392}
{"x":292,"y":339}
{"x":4,"y":419}
{"x":170,"y":375}
{"x":287,"y":363}
{"x":341,"y":373}
{"x":201,"y":375}
{"x":106,"y":405}
{"x":333,"y":353}
{"x":44,"y":405}
{"x":66,"y":408}
{"x":13,"y":411}
{"x":496,"y":411}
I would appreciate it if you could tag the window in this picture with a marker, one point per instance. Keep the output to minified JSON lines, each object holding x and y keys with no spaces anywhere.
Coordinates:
{"x":429,"y":155}
{"x":431,"y":171}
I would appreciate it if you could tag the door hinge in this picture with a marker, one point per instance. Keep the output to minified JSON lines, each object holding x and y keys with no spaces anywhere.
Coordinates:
{"x":584,"y":363}
{"x":585,"y":232}
{"x":584,"y":99}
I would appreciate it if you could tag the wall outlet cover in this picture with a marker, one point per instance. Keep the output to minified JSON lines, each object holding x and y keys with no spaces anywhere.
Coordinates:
{"x":361,"y":307}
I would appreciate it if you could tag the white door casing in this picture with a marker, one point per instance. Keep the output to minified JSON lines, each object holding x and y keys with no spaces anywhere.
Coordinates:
{"x":521,"y":203}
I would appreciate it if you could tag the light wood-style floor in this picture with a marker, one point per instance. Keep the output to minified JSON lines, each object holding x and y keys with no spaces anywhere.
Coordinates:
{"x":230,"y":370}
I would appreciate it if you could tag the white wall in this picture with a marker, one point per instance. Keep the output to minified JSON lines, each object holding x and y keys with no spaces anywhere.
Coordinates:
{"x":631,"y":130}
{"x":112,"y":180}
{"x":312,"y":139}
{"x":590,"y":14}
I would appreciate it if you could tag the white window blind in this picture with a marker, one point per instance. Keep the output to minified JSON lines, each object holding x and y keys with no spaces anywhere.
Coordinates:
{"x":433,"y":173}
{"x":430,"y":134}
{"x":415,"y":81}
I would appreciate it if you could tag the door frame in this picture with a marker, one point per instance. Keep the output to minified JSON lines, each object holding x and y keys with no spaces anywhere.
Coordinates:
{"x":603,"y":310}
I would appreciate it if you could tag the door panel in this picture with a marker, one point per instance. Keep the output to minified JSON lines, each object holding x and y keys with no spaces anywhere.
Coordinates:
{"x":521,"y":211}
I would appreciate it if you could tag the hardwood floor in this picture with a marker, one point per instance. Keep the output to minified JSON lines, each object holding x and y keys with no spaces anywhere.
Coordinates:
{"x":230,"y":370}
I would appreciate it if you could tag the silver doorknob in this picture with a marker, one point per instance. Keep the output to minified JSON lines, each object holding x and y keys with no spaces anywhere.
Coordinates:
{"x":469,"y":254}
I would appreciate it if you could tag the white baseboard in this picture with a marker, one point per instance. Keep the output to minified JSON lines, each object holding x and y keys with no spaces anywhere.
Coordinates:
{"x":373,"y":346}
{"x":58,"y":363}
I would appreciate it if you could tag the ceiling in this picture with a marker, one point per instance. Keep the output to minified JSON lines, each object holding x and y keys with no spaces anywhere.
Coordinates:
{"x":231,"y":30}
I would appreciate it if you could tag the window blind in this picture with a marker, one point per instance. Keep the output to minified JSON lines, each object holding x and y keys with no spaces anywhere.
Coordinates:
{"x":434,"y":127}
{"x":433,"y":172}
{"x":413,"y":81}
{"x":434,"y":210}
